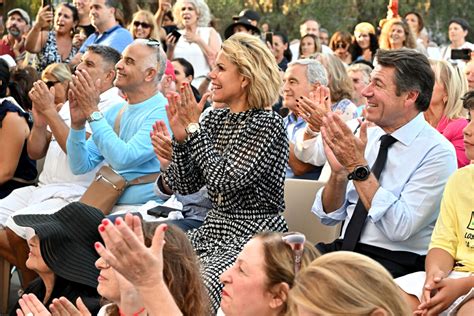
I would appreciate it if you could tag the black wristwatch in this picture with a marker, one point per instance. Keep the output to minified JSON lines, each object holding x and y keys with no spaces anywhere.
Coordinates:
{"x":360,"y":173}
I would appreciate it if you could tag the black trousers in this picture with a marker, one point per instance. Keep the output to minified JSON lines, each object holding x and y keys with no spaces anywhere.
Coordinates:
{"x":398,"y":263}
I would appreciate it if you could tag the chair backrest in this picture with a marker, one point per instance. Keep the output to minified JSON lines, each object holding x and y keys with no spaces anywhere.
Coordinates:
{"x":299,"y":198}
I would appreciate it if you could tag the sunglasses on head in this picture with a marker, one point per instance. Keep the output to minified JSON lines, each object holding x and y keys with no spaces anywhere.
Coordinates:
{"x":296,"y":241}
{"x":143,"y":24}
{"x":151,"y":42}
{"x":50,"y":84}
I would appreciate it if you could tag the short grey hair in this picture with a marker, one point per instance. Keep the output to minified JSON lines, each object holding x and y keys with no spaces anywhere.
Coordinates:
{"x":364,"y":69}
{"x":315,"y":71}
{"x":158,"y":56}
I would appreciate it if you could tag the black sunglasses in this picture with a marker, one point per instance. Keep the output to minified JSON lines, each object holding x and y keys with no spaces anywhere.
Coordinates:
{"x":341,"y":45}
{"x":50,"y":84}
{"x":143,"y":24}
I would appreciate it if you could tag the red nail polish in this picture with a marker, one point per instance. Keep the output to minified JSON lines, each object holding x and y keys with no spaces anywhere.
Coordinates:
{"x":97,"y":245}
{"x":118,"y":221}
{"x":101,"y":228}
{"x":165,"y":228}
{"x":105,"y":222}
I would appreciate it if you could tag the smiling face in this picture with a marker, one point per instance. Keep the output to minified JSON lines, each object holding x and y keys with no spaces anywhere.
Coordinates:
{"x":63,"y":20}
{"x":295,"y":85}
{"x":180,"y":74}
{"x":468,"y":133}
{"x":227,"y":84}
{"x":100,"y":14}
{"x":397,"y":36}
{"x":363,"y":39}
{"x":189,"y":14}
{"x":245,"y":291}
{"x":279,"y":47}
{"x":141,"y":27}
{"x":131,"y":68}
{"x":384,"y":107}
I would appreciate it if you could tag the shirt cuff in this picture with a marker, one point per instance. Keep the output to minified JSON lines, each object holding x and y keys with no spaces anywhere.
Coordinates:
{"x":77,"y":134}
{"x":332,"y":218}
{"x":382,"y":201}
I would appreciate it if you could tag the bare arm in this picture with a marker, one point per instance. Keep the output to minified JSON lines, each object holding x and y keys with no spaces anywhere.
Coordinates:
{"x":13,"y":133}
{"x":36,"y":38}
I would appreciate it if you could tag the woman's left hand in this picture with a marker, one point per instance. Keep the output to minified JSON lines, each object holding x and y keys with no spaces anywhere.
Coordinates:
{"x":31,"y":305}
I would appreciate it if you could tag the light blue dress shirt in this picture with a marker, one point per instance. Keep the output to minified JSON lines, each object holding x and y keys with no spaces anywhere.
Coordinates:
{"x":131,"y":154}
{"x":406,"y":205}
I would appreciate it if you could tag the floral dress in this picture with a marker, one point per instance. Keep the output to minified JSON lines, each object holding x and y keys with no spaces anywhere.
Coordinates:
{"x":50,"y":54}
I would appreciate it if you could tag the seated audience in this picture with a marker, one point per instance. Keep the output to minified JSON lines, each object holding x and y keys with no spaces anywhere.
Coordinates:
{"x":448,"y":284}
{"x":346,"y":283}
{"x":340,"y":44}
{"x":184,"y":72}
{"x":257,"y":284}
{"x":360,"y":76}
{"x":309,"y":44}
{"x":237,"y":151}
{"x":57,"y":185}
{"x":388,"y":215}
{"x":52,"y":37}
{"x":58,"y":76}
{"x":16,"y":168}
{"x":62,"y":253}
{"x":446,"y":112}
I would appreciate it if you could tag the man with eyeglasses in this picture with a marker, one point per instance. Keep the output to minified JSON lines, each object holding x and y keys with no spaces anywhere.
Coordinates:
{"x":57,"y":184}
{"x":108,"y":30}
{"x":121,"y":136}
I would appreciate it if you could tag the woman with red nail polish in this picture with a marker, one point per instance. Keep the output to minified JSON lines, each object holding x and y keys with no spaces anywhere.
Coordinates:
{"x":239,"y":153}
{"x":62,"y":254}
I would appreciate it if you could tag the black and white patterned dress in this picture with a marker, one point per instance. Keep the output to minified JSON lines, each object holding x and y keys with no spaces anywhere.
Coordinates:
{"x":241,"y":158}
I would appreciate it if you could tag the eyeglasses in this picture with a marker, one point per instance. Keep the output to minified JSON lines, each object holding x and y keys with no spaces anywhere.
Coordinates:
{"x":151,"y":42}
{"x":296,"y":241}
{"x":143,"y":24}
{"x":50,"y":84}
{"x":341,"y":45}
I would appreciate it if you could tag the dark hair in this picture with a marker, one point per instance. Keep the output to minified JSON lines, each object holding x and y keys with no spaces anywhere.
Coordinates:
{"x":468,"y":100}
{"x":4,"y":77}
{"x":112,"y":3}
{"x":412,"y":73}
{"x":21,"y":82}
{"x":317,"y":43}
{"x":187,"y":66}
{"x":75,"y":13}
{"x":356,"y":50}
{"x":463,"y":23}
{"x":168,"y":14}
{"x":421,"y":24}
{"x":287,"y":53}
{"x":109,"y":55}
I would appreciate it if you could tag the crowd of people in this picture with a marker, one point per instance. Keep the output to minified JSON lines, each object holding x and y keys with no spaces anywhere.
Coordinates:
{"x":198,"y":134}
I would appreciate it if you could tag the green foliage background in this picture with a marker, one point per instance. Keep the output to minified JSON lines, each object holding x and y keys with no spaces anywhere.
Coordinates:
{"x":287,"y":15}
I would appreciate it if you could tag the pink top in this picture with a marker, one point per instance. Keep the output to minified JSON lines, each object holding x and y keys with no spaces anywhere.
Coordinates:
{"x":452,"y":130}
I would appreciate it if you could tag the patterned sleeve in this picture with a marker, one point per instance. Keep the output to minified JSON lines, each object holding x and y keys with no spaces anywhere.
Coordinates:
{"x":249,"y":154}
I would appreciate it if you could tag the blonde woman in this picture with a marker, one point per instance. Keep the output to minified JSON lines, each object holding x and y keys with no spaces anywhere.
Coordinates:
{"x":396,"y":34}
{"x":346,"y":283}
{"x":58,"y":76}
{"x":198,"y":42}
{"x":240,"y":151}
{"x":143,"y":25}
{"x":446,"y":112}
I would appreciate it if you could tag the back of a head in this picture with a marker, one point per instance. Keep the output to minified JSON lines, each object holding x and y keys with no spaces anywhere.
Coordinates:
{"x":255,"y":62}
{"x":59,"y":70}
{"x":181,"y":271}
{"x":343,"y":283}
{"x":4,"y":77}
{"x":21,"y":82}
{"x":455,"y":85}
{"x":412,"y":73}
{"x":279,"y":259}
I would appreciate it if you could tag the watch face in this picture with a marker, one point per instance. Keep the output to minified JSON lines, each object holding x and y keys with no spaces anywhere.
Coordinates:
{"x":361,"y":173}
{"x":192,"y":127}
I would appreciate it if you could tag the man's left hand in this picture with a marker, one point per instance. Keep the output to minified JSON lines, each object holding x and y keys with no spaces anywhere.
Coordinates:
{"x":86,"y":92}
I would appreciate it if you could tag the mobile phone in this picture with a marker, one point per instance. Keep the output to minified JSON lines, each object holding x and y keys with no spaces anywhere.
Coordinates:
{"x":161,"y":211}
{"x":464,"y":54}
{"x":269,"y":38}
{"x":45,"y":3}
{"x":176,"y":34}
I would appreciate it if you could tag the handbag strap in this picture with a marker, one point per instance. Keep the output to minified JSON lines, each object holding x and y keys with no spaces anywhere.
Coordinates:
{"x":117,"y":120}
{"x":149,"y":178}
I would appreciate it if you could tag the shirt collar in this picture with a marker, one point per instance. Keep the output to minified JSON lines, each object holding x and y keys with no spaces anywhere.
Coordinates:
{"x":408,"y":132}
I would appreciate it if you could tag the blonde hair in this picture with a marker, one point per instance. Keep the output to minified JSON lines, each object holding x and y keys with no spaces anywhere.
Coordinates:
{"x":340,"y":84}
{"x":60,"y":71}
{"x":384,"y":40}
{"x":343,"y":283}
{"x":150,"y":19}
{"x":255,"y":62}
{"x":280,"y":260}
{"x":454,"y":83}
